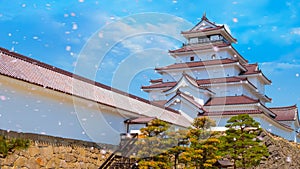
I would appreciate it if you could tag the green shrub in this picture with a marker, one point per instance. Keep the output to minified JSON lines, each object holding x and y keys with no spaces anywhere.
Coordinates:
{"x":10,"y":145}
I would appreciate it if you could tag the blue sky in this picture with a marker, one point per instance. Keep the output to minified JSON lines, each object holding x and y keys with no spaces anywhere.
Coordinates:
{"x":60,"y":33}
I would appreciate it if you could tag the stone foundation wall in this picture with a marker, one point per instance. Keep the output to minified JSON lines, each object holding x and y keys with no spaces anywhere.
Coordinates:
{"x":283,"y":154}
{"x":54,"y":152}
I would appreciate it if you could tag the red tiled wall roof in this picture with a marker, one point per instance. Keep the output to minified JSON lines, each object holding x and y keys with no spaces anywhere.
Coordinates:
{"x":160,"y":85}
{"x":35,"y":72}
{"x":288,"y":113}
{"x":233,"y":113}
{"x":190,"y":48}
{"x":221,"y":80}
{"x":198,"y":64}
{"x":230,"y":100}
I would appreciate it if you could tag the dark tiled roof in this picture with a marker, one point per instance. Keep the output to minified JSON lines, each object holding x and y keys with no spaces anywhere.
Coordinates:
{"x":234,"y":112}
{"x":204,"y":18}
{"x":288,"y":113}
{"x":160,"y":85}
{"x":191,"y":100}
{"x":221,"y":80}
{"x":140,"y":120}
{"x":189,"y":48}
{"x":192,"y":81}
{"x":187,"y":98}
{"x":203,"y":30}
{"x":230,"y":100}
{"x":207,"y":29}
{"x":159,"y":102}
{"x":197,"y":64}
{"x":253,"y":69}
{"x":155,"y":80}
{"x":201,"y":82}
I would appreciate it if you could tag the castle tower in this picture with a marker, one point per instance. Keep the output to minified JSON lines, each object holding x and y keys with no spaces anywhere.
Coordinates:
{"x":210,"y":78}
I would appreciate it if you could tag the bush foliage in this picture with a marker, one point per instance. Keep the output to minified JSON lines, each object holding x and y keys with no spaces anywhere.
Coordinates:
{"x":10,"y":145}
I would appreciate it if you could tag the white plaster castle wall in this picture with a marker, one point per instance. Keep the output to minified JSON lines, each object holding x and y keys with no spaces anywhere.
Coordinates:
{"x":26,"y":107}
{"x":221,"y":72}
{"x":198,"y":74}
{"x":258,"y":84}
{"x":29,"y":108}
{"x":232,"y":89}
{"x":190,"y":90}
{"x":294,"y":126}
{"x":274,"y":128}
{"x":261,"y":87}
{"x":186,"y":108}
{"x":201,"y":96}
{"x":227,"y":90}
{"x":267,"y":124}
{"x":156,"y":95}
{"x":171,"y":77}
{"x":247,"y":92}
{"x":218,"y":108}
{"x":201,"y":73}
{"x":205,"y":56}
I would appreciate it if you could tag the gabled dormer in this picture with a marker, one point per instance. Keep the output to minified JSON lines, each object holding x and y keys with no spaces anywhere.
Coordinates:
{"x":186,"y":104}
{"x":188,"y":85}
{"x":208,"y":32}
{"x":204,"y":24}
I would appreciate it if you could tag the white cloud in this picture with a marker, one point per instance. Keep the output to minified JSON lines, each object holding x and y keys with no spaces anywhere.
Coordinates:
{"x":295,"y":31}
{"x":5,"y":17}
{"x":280,"y":65}
{"x":128,"y":36}
{"x":276,"y":67}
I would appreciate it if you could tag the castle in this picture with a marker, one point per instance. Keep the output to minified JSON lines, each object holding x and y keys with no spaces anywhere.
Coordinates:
{"x":210,"y":78}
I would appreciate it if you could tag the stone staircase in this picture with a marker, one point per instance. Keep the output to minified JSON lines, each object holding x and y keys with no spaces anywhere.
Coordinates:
{"x":120,"y":159}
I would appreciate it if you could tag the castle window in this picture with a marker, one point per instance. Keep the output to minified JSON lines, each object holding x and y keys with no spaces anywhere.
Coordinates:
{"x":194,"y":40}
{"x":214,"y":38}
{"x":213,"y":56}
{"x":192,"y":58}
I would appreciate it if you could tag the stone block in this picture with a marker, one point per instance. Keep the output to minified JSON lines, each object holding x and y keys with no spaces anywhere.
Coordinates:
{"x":68,"y":149}
{"x":9,"y":160}
{"x":56,"y":150}
{"x":63,"y":164}
{"x":47,"y":152}
{"x":20,"y":162}
{"x":95,"y":156}
{"x":69,"y":158}
{"x":33,"y":151}
{"x":51,"y":163}
{"x":40,"y":161}
{"x":74,"y":165}
{"x":31,"y":163}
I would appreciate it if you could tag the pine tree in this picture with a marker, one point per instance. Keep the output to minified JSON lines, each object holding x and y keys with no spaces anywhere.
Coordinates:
{"x":153,"y":144}
{"x":241,"y":143}
{"x":202,"y":152}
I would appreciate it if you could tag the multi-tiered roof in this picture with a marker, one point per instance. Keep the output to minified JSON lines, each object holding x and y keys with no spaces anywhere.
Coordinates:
{"x":211,"y":78}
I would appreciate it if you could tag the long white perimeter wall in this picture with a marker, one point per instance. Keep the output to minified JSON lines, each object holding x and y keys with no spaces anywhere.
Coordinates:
{"x":25,"y":107}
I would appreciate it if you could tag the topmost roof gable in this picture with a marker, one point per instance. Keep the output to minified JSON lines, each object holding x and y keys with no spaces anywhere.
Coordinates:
{"x":203,"y":24}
